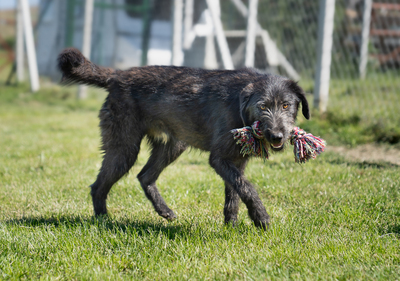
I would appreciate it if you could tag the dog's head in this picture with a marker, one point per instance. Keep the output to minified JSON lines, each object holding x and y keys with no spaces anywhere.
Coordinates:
{"x":274,"y":101}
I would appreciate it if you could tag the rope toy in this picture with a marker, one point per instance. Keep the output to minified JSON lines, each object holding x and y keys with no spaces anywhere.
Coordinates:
{"x":252,"y":140}
{"x":253,"y":143}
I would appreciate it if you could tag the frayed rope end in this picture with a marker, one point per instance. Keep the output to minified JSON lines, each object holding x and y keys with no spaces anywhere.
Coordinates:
{"x":306,"y":146}
{"x":252,"y":141}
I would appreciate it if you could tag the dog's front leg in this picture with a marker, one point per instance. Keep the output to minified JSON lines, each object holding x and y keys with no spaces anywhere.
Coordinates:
{"x":233,"y":176}
{"x":232,"y":199}
{"x":231,"y":207}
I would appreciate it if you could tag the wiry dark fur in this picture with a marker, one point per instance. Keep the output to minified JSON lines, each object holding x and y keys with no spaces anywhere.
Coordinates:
{"x":177,"y":107}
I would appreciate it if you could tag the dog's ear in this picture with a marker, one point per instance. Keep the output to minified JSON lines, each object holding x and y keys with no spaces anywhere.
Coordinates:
{"x":302,"y":96}
{"x":244,"y":99}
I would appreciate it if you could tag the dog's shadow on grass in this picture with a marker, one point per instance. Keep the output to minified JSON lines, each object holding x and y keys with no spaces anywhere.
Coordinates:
{"x":131,"y":226}
{"x":390,"y":229}
{"x":105,"y":223}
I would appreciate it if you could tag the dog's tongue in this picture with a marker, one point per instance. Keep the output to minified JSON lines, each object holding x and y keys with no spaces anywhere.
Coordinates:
{"x":277,"y":145}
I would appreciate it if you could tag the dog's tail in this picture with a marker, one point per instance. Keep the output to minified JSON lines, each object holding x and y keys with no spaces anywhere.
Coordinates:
{"x":77,"y":69}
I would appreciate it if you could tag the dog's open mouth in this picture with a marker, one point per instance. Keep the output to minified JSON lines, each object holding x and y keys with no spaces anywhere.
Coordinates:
{"x":277,"y":146}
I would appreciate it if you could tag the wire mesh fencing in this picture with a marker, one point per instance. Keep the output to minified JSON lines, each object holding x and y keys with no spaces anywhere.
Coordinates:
{"x":372,"y":101}
{"x":364,"y":85}
{"x":366,"y":95}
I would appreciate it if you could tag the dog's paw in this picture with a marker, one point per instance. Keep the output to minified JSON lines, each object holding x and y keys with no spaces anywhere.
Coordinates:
{"x":231,"y":220}
{"x":260,"y":217}
{"x":230,"y":224}
{"x":264,"y":225}
{"x":167,"y":214}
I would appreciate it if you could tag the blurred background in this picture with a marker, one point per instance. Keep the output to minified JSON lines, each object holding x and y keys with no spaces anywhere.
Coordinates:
{"x":344,"y":53}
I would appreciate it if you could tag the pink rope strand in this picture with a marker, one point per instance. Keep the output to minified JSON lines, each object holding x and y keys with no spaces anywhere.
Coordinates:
{"x":305,"y":145}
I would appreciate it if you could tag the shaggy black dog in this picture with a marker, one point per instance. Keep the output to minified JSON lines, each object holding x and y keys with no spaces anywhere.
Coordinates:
{"x":177,"y":107}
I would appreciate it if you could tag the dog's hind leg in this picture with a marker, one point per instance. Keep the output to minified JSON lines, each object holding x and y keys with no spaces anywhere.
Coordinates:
{"x":235,"y":178}
{"x":162,"y":155}
{"x":121,"y":140}
{"x":116,"y":164}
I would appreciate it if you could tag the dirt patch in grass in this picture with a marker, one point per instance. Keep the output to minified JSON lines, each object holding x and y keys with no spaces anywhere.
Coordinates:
{"x":369,"y":153}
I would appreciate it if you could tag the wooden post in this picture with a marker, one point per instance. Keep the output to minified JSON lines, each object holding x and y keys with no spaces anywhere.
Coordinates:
{"x":365,"y":38}
{"x":30,"y":45}
{"x":87,"y":41}
{"x":19,"y":46}
{"x":251,"y":33}
{"x":177,"y":54}
{"x":221,"y":39}
{"x":324,"y":54}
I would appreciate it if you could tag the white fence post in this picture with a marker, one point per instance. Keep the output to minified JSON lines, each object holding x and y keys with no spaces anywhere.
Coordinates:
{"x":251,"y":33}
{"x":188,"y":23}
{"x":30,"y":45}
{"x":87,"y":41}
{"x":221,"y":39}
{"x":19,"y":46}
{"x":177,"y":54}
{"x":365,"y":38}
{"x":324,"y":53}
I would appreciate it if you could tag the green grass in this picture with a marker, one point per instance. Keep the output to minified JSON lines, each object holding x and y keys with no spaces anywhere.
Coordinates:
{"x":330,"y":219}
{"x":359,"y":111}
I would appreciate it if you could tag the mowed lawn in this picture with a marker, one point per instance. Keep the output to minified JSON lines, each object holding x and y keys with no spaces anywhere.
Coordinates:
{"x":331,"y":219}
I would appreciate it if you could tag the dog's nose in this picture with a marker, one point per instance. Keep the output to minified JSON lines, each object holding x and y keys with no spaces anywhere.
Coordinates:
{"x":276,"y":138}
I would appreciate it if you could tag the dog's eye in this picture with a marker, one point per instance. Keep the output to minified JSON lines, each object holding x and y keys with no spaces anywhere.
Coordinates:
{"x":285,"y":105}
{"x":263,"y":107}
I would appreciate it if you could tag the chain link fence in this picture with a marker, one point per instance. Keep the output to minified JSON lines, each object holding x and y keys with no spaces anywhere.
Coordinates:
{"x":373,"y":101}
{"x":291,"y":25}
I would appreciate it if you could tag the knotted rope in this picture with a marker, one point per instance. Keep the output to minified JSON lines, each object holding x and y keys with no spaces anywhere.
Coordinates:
{"x":253,"y":143}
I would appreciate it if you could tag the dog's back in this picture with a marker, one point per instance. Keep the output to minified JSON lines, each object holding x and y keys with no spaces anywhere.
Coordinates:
{"x":192,"y":105}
